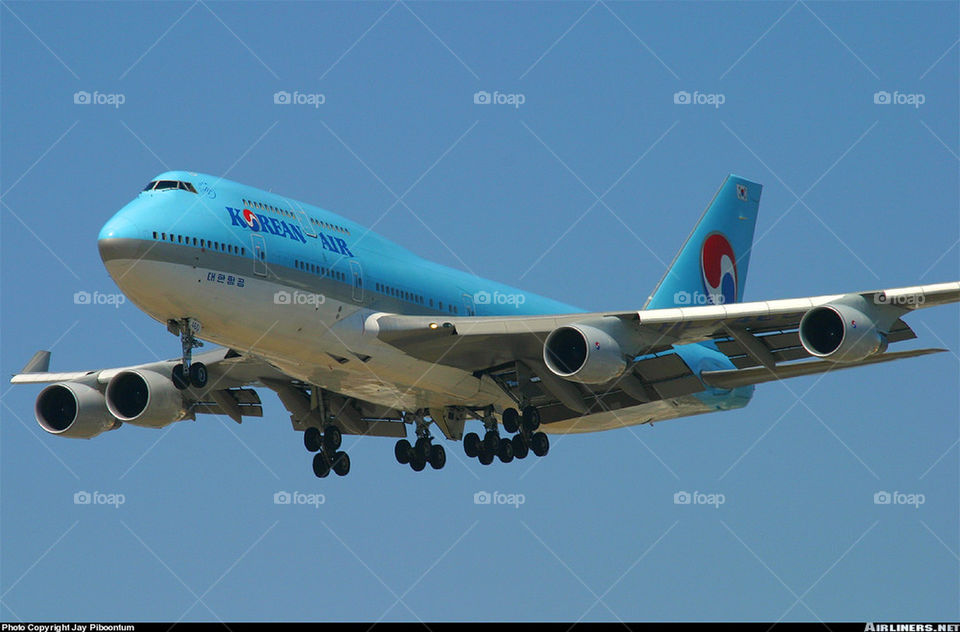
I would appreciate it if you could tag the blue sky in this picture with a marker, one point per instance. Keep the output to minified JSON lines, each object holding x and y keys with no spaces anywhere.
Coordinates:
{"x":858,"y":195}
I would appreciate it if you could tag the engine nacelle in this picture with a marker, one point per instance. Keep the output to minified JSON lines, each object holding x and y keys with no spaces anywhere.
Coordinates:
{"x":583,"y":353}
{"x":144,"y":398}
{"x":72,"y":409}
{"x":841,"y":333}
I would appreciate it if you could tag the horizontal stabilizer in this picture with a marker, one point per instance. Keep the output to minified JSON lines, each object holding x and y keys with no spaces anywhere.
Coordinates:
{"x":744,"y":377}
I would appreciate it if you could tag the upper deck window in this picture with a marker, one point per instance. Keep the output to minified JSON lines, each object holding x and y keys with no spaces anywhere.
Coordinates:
{"x":159,"y":185}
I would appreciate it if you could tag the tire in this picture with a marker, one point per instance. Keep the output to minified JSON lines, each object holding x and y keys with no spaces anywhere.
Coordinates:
{"x":505,"y":453}
{"x":179,"y":378}
{"x":402,"y":451}
{"x":540,"y":444}
{"x":332,"y":438}
{"x":417,"y":463}
{"x":422,"y":448}
{"x":485,"y":457}
{"x":531,"y":418}
{"x":471,"y":444}
{"x":312,"y":440}
{"x":321,"y":466}
{"x":438,"y":457}
{"x":198,"y":375}
{"x":520,"y":447}
{"x":341,"y":463}
{"x":511,"y":420}
{"x":491,"y":441}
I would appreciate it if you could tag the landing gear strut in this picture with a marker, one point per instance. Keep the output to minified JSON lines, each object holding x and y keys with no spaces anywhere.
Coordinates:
{"x":188,"y":373}
{"x":418,"y":455}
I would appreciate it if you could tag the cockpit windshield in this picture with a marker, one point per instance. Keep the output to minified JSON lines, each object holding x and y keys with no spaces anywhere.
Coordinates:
{"x":159,"y":185}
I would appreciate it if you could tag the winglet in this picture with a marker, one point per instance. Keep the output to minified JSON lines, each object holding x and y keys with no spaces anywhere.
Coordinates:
{"x":39,"y":363}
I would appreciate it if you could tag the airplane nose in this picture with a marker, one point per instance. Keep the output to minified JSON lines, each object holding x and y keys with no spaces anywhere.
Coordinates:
{"x":118,"y":227}
{"x":119,"y":239}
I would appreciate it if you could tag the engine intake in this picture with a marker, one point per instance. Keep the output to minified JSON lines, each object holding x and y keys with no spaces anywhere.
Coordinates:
{"x":840,"y":333}
{"x":144,"y":398}
{"x":72,"y":409}
{"x":583,"y":354}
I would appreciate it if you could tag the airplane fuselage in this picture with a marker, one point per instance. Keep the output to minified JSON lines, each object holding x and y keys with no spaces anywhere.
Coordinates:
{"x":297,"y":285}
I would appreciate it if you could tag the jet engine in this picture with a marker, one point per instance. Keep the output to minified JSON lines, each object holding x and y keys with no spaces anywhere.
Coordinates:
{"x":145,"y":398}
{"x":72,"y":409}
{"x":583,"y":353}
{"x":841,"y":333}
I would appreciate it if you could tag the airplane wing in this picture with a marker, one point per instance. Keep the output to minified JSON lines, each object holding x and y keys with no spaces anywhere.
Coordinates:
{"x":228,"y":392}
{"x":224,"y":394}
{"x":757,"y":337}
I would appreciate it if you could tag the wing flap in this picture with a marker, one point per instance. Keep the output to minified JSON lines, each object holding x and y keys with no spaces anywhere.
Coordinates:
{"x":757,"y":375}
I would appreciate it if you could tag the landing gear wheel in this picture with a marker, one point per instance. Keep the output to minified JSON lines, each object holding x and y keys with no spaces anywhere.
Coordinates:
{"x":198,"y":375}
{"x":341,"y":463}
{"x":485,"y":457}
{"x":505,"y":453}
{"x":179,"y":378}
{"x":312,"y":440}
{"x":491,"y":441}
{"x":511,"y":420}
{"x":471,"y":444}
{"x":531,"y":418}
{"x":422,"y":448}
{"x":402,"y":451}
{"x":540,"y":444}
{"x":321,"y":466}
{"x":438,"y":457}
{"x":520,"y":447}
{"x":332,"y":438}
{"x":417,"y":463}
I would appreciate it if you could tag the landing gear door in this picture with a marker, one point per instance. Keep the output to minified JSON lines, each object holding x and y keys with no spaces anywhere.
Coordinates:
{"x":357,"y":273}
{"x":258,"y":246}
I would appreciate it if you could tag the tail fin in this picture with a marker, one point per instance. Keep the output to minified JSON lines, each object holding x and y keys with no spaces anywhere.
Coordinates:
{"x":711,"y":268}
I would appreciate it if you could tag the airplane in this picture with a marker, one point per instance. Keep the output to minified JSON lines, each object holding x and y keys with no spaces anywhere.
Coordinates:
{"x":357,"y":335}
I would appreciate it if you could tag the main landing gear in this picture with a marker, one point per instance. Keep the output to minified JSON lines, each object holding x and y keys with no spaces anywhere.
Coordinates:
{"x":527,"y":438}
{"x":188,"y":373}
{"x":424,"y":451}
{"x":327,"y":446}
